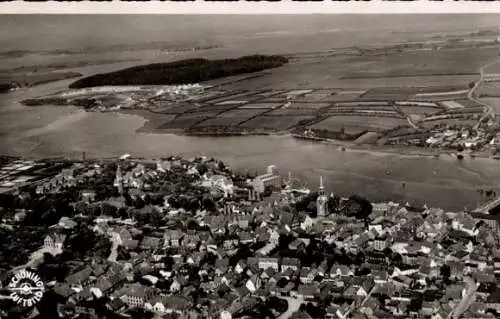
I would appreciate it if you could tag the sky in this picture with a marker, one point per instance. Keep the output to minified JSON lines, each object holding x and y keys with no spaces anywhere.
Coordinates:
{"x":262,"y":7}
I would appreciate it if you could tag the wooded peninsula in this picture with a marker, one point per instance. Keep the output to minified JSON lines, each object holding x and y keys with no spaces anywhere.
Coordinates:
{"x":182,"y":72}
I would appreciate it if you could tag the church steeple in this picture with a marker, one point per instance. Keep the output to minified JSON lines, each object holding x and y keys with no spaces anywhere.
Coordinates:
{"x":119,"y":179}
{"x":321,"y":186}
{"x":322,"y":200}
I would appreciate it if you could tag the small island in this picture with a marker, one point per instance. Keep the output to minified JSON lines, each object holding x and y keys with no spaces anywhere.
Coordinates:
{"x":182,"y":72}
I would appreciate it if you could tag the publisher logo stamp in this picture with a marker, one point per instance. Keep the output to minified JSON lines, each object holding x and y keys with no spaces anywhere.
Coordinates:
{"x":26,"y":288}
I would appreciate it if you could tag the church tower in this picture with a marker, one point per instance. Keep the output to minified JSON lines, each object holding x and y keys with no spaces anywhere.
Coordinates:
{"x":119,"y":179}
{"x":322,"y":201}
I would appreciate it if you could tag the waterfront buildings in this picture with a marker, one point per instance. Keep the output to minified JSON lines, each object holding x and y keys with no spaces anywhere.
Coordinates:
{"x":271,"y":178}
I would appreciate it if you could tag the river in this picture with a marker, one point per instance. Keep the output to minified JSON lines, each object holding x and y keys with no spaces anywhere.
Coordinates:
{"x":52,"y":131}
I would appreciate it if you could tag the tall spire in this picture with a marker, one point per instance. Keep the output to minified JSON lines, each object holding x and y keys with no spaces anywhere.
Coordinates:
{"x":119,"y":179}
{"x":321,"y":186}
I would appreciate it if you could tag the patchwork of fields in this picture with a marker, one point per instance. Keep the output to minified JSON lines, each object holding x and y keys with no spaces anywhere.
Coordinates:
{"x":353,"y":125}
{"x":352,"y":111}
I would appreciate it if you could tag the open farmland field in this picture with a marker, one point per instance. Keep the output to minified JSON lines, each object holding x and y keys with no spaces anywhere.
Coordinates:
{"x":372,"y":96}
{"x":441,"y":62}
{"x":292,"y":112}
{"x":277,"y":123}
{"x":493,"y":102}
{"x":218,"y":108}
{"x":495,"y":68}
{"x":345,"y":96}
{"x":202,"y":113}
{"x":319,"y":95}
{"x":384,"y":109}
{"x":223,"y":121}
{"x":450,"y":105}
{"x":418,"y":110}
{"x":295,"y":93}
{"x":475,"y":109}
{"x":230,"y":102}
{"x":268,"y":93}
{"x":177,"y":109}
{"x":489,"y":89}
{"x":260,"y":106}
{"x":311,"y":106}
{"x":228,"y":97}
{"x":458,"y":121}
{"x":409,"y":81}
{"x":467,"y":103}
{"x":442,"y":94}
{"x":182,"y":122}
{"x":438,"y":97}
{"x":362,"y":104}
{"x":357,"y":124}
{"x":248,"y":113}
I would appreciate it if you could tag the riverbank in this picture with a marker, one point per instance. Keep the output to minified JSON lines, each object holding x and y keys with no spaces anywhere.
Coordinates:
{"x":398,"y":150}
{"x":153,"y":121}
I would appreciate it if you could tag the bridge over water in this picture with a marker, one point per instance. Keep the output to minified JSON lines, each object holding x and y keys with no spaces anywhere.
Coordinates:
{"x":486,"y":207}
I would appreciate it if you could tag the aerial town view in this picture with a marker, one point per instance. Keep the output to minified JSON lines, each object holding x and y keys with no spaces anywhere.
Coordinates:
{"x":329,"y":166}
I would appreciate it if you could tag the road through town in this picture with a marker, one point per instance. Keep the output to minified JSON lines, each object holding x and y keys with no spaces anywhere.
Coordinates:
{"x":293,"y":306}
{"x":488,"y":110}
{"x":467,"y":299}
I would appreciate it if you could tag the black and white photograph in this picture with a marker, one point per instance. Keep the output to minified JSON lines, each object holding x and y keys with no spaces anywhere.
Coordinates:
{"x":227,"y":166}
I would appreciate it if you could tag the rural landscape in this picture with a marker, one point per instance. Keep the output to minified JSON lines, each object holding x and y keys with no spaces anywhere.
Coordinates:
{"x":413,"y":94}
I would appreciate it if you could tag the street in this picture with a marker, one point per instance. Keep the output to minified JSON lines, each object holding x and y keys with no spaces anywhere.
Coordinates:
{"x":467,"y":300}
{"x":293,"y":305}
{"x":488,"y":109}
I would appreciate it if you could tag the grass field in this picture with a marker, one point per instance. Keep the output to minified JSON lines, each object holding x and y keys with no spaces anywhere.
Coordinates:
{"x":345,"y":96}
{"x":228,"y":97}
{"x":269,"y":93}
{"x":417,"y":90}
{"x":319,"y":95}
{"x":217,"y":108}
{"x":461,"y":122}
{"x":362,"y":104}
{"x":495,"y":68}
{"x":182,"y":122}
{"x":489,"y":89}
{"x":260,"y":106}
{"x":242,"y":113}
{"x":494,"y":102}
{"x":178,"y":109}
{"x":418,"y":110}
{"x":438,"y":98}
{"x":223,"y":121}
{"x":410,"y":81}
{"x":201,"y":113}
{"x":231,"y":102}
{"x":364,"y":108}
{"x":467,"y":103}
{"x":291,"y":112}
{"x":357,"y":124}
{"x":312,"y":106}
{"x":383,"y":97}
{"x":424,"y":62}
{"x":277,"y":123}
{"x":475,"y":109}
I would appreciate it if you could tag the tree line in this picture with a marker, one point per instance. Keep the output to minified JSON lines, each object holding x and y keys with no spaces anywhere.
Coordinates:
{"x":182,"y":72}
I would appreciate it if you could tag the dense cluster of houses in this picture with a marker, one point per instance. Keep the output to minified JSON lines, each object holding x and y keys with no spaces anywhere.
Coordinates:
{"x":400,"y":262}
